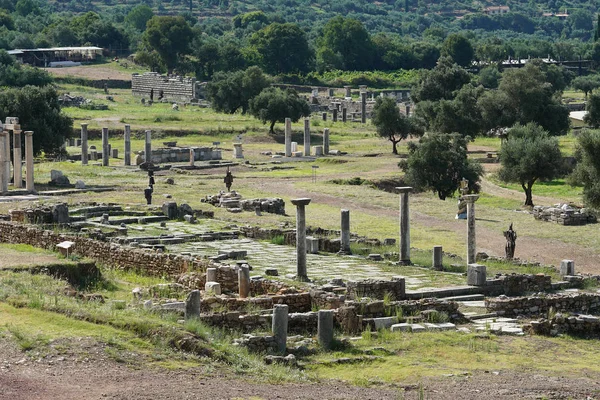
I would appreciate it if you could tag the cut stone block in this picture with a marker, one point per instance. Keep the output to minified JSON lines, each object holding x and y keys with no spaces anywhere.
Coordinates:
{"x":432,"y":327}
{"x":447,"y":326}
{"x":384,"y":322}
{"x":400,"y":328}
{"x":476,"y":275}
{"x":213,"y":287}
{"x":567,"y":267}
{"x":417,"y":328}
{"x":271,"y":272}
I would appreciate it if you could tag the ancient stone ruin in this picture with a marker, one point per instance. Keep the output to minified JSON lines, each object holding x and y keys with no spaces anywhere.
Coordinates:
{"x":564,"y":214}
{"x":157,"y":87}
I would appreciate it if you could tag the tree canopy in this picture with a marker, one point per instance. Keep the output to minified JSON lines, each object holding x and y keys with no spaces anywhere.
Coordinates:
{"x":529,"y":155}
{"x":283,"y":48}
{"x":275,"y":105}
{"x":391,"y":124}
{"x":231,"y":91}
{"x":170,"y":37}
{"x":587,"y":170}
{"x":438,"y":163}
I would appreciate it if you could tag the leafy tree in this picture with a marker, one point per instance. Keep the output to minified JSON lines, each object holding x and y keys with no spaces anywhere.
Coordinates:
{"x":459,"y":48}
{"x":438,"y":163}
{"x":597,"y":30}
{"x":231,"y":91}
{"x":170,"y":37}
{"x":26,"y":7}
{"x":528,"y":155}
{"x":586,"y":84}
{"x":587,"y":170}
{"x":390,"y":123}
{"x":489,"y":77}
{"x":348,"y":38}
{"x":14,"y":74}
{"x":592,"y":107}
{"x":6,"y":21}
{"x":283,"y":48}
{"x":441,"y":82}
{"x":139,"y":16}
{"x":38,"y":111}
{"x":525,"y":96}
{"x":254,"y":17}
{"x":275,"y":105}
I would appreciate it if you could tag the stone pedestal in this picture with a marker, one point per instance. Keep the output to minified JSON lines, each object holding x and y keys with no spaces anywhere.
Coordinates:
{"x":345,"y":232}
{"x":476,"y":275}
{"x":471,"y":240}
{"x":3,"y":177}
{"x":288,"y":137}
{"x":127,"y":154}
{"x":301,"y":237}
{"x":335,"y":115}
{"x":363,"y":107}
{"x":105,"y":150}
{"x":319,"y":151}
{"x":325,"y":328}
{"x":244,"y":281}
{"x":211,"y":275}
{"x":404,"y":224}
{"x":29,"y":162}
{"x":148,"y":146}
{"x":307,"y":136}
{"x":567,"y":267}
{"x":192,"y":305}
{"x":279,"y":326}
{"x":237,"y":150}
{"x":17,"y":160}
{"x":344,"y":114}
{"x":348,"y":90}
{"x":312,"y":245}
{"x":84,"y":144}
{"x":326,"y":141}
{"x":324,"y":116}
{"x":437,"y":258}
{"x":115,"y":153}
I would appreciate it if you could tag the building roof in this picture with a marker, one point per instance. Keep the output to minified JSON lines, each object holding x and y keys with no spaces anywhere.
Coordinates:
{"x":22,"y":51}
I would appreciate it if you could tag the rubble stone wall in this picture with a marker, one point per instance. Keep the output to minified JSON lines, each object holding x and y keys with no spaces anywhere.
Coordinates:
{"x":581,"y":325}
{"x":540,"y":305}
{"x":377,"y":289}
{"x":174,"y":88}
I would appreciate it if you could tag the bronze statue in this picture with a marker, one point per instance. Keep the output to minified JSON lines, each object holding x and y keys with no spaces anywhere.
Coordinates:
{"x":228,"y":180}
{"x":148,"y":194}
{"x":511,"y":239}
{"x":151,"y":181}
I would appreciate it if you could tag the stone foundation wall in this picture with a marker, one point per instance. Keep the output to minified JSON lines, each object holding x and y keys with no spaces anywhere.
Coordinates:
{"x":109,"y":254}
{"x":540,"y":305}
{"x":564,"y":215}
{"x":175,"y":88}
{"x":581,"y":325}
{"x":377,"y":289}
{"x":377,"y":309}
{"x":298,"y":302}
{"x":518,"y":285}
{"x":182,"y":154}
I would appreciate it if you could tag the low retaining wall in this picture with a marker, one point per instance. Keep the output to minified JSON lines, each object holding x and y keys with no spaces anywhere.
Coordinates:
{"x":377,"y":289}
{"x":581,"y":325}
{"x":540,"y":305}
{"x":110,"y":254}
{"x":299,"y":302}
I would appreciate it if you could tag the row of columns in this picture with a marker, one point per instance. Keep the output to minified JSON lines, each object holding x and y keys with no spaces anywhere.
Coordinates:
{"x":288,"y":138}
{"x":105,"y":145}
{"x":5,"y":171}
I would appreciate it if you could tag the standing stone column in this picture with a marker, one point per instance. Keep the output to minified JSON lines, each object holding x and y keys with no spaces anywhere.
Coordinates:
{"x":148,"y":147}
{"x":211,"y":275}
{"x":325,"y":328}
{"x":244,"y":281}
{"x":348,"y":90}
{"x":279,"y":326}
{"x":437,"y":258}
{"x":471,"y":241}
{"x":192,"y":157}
{"x":105,"y":150}
{"x":127,"y":137}
{"x":192,"y":305}
{"x":326,"y":141}
{"x":363,"y":107}
{"x":404,"y":225}
{"x":17,"y":160}
{"x":301,"y":237}
{"x":345,"y":233}
{"x":307,"y":136}
{"x":335,"y":114}
{"x":288,"y":137}
{"x":29,"y":161}
{"x":324,"y":116}
{"x":344,"y":114}
{"x":3,"y":177}
{"x":6,"y":150}
{"x":84,"y":144}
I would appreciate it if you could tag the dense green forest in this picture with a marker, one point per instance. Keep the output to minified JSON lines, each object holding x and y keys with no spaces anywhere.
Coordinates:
{"x":292,"y":38}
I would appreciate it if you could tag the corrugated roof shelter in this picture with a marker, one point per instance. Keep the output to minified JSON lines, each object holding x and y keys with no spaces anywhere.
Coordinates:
{"x":44,"y":56}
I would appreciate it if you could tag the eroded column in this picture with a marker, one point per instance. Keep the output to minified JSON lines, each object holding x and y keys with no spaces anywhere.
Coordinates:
{"x":326,"y":141}
{"x":404,"y":225}
{"x":345,"y":232}
{"x":301,"y":237}
{"x":244,"y":281}
{"x":17,"y":160}
{"x":148,"y":147}
{"x":3,"y":177}
{"x":288,"y":137}
{"x":105,"y":150}
{"x":471,"y":239}
{"x":6,"y":150}
{"x":307,"y":136}
{"x":127,"y":137}
{"x":325,"y":328}
{"x":29,"y":161}
{"x":437,"y":258}
{"x":279,"y":326}
{"x":363,"y":107}
{"x":84,"y":144}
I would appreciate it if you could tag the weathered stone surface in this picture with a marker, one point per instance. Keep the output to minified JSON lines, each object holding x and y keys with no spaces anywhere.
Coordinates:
{"x":476,"y":275}
{"x":400,"y":327}
{"x":192,"y":305}
{"x":212,"y":288}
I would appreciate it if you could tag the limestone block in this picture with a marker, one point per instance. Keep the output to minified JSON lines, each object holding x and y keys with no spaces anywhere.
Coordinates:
{"x":476,"y":275}
{"x":212,"y":288}
{"x":400,"y":328}
{"x":384,"y":322}
{"x":417,"y":328}
{"x":567,"y":267}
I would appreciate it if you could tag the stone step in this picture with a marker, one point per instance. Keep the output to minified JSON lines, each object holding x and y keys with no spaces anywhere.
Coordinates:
{"x":466,"y":297}
{"x":481,"y":316}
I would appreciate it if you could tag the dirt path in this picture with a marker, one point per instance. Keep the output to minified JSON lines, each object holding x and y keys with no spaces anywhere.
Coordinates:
{"x":545,"y":251}
{"x":93,"y":72}
{"x":96,"y":377}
